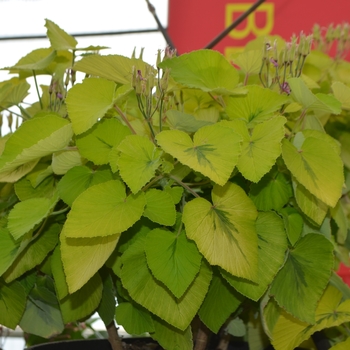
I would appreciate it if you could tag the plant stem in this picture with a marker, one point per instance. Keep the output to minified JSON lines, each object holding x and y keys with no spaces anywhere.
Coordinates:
{"x":113,"y":336}
{"x":202,"y":338}
{"x":189,"y":189}
{"x":37,"y":89}
{"x":125,"y":119}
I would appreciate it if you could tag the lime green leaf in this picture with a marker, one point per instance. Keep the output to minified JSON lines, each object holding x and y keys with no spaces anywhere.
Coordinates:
{"x":58,"y":273}
{"x":236,"y":327}
{"x":12,"y":303}
{"x":15,"y":93}
{"x":344,"y":139}
{"x":8,"y":251}
{"x":220,"y":302}
{"x":103,"y":210}
{"x":64,"y":160}
{"x":138,"y":161}
{"x":78,"y":264}
{"x":78,"y":179}
{"x":154,"y":296}
{"x":134,"y":318}
{"x":249,"y":61}
{"x":272,"y":192}
{"x":213,"y":152}
{"x":184,"y":122}
{"x":319,"y":102}
{"x":175,"y":193}
{"x":39,"y":174}
{"x":34,"y":253}
{"x":207,"y":70}
{"x":225,"y":230}
{"x":172,"y":338}
{"x":59,"y":39}
{"x":42,"y":306}
{"x":173,"y":259}
{"x":261,"y":146}
{"x":25,"y":190}
{"x":160,"y":207}
{"x":272,"y":244}
{"x":37,"y":60}
{"x":342,"y":94}
{"x":344,"y":345}
{"x":83,"y":302}
{"x":88,"y":102}
{"x":339,"y":215}
{"x":96,"y":143}
{"x":309,"y":204}
{"x":316,"y":165}
{"x":25,"y":215}
{"x":34,"y":139}
{"x":330,"y":312}
{"x":255,"y":107}
{"x":112,"y":67}
{"x":106,"y":308}
{"x":293,"y":223}
{"x":305,"y":273}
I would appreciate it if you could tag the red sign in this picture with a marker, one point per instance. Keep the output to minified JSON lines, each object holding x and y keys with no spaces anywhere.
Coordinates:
{"x":194,"y":23}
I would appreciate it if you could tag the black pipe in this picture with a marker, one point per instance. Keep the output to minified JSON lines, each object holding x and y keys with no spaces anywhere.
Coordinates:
{"x":43,"y":36}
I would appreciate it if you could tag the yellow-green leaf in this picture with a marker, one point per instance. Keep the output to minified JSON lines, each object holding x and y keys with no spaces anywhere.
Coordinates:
{"x":225,"y":230}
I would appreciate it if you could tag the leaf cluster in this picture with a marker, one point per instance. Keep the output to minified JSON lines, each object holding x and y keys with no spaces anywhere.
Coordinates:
{"x":185,"y":190}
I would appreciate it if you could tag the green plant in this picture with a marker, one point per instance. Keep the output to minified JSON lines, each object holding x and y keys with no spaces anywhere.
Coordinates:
{"x":201,"y":196}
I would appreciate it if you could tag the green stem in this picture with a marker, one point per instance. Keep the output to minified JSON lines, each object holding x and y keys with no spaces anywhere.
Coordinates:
{"x":16,"y":114}
{"x":24,"y":112}
{"x":125,"y":119}
{"x":37,"y":89}
{"x":141,"y":107}
{"x":58,"y":212}
{"x":151,"y":183}
{"x":189,"y":189}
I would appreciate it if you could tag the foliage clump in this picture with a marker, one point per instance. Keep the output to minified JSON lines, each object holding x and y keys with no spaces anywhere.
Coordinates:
{"x":190,"y":190}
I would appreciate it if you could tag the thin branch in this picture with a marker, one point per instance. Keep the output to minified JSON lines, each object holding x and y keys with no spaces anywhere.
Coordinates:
{"x":125,"y":119}
{"x":37,"y":89}
{"x":189,"y":189}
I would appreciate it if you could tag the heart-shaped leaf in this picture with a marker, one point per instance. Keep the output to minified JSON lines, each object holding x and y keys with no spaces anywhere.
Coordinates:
{"x":12,"y":303}
{"x":77,"y":253}
{"x":138,"y":161}
{"x":88,"y":102}
{"x":225,"y":230}
{"x":305,"y":273}
{"x":255,"y":107}
{"x":213,"y":152}
{"x":59,"y":39}
{"x":261,"y":146}
{"x":78,"y":179}
{"x":160,"y":207}
{"x":316,"y":165}
{"x":207,"y":70}
{"x":154,"y":296}
{"x":96,"y":143}
{"x":36,"y":138}
{"x":220,"y":302}
{"x":173,"y":259}
{"x":272,"y":249}
{"x":331,"y":312}
{"x":103,"y":210}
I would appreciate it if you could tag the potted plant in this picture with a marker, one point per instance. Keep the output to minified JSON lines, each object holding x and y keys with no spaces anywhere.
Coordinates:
{"x":210,"y":199}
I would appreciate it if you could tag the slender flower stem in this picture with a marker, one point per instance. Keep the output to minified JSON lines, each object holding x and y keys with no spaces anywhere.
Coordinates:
{"x":24,"y":112}
{"x":125,"y":119}
{"x":16,"y":114}
{"x":37,"y":89}
{"x":189,"y":189}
